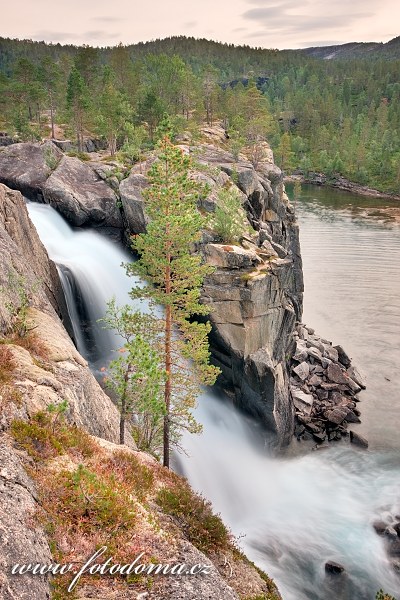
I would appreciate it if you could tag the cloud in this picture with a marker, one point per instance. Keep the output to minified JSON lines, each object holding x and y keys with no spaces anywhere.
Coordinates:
{"x":285,"y":17}
{"x":190,"y":24}
{"x":238,"y":29}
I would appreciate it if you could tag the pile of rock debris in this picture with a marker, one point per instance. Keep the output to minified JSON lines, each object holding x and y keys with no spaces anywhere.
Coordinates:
{"x":324,"y":387}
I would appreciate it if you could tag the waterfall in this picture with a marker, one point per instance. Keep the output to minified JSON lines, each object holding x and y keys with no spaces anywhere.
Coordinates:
{"x":91,"y":273}
{"x":291,"y":514}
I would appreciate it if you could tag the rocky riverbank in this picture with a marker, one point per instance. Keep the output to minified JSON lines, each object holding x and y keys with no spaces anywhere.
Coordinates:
{"x":325,"y":388}
{"x":341,"y":183}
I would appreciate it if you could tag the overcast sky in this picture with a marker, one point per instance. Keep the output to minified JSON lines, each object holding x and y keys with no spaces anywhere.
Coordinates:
{"x":266,"y":23}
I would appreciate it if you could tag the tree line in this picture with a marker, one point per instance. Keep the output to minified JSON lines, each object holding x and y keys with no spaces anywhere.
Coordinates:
{"x":335,"y":117}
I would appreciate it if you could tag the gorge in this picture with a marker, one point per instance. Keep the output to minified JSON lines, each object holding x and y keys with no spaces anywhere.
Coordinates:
{"x":289,"y":533}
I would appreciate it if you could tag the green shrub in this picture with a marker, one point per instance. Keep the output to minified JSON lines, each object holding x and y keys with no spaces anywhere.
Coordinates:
{"x":195,"y":517}
{"x":381,"y":595}
{"x":229,"y":221}
{"x":45,"y":436}
{"x":81,"y":155}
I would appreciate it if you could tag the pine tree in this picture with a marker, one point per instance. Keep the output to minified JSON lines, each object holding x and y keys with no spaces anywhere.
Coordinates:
{"x":78,"y":103}
{"x":175,"y":275}
{"x":136,"y":376}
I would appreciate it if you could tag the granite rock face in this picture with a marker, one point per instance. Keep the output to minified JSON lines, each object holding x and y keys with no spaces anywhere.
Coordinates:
{"x":26,"y":167}
{"x":78,"y":193}
{"x":41,"y":172}
{"x":24,"y":261}
{"x":132,"y":202}
{"x":21,"y":541}
{"x":61,"y":375}
{"x":255,"y":293}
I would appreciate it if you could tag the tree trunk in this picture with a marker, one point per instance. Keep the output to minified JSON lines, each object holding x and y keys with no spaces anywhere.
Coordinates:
{"x":122,"y":427}
{"x":167,"y":389}
{"x":52,"y":117}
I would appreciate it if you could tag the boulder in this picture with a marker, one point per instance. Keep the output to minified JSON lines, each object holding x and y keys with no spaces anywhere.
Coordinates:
{"x":343,"y":357}
{"x":302,"y":371}
{"x":351,"y":417}
{"x":358,"y":440}
{"x":78,"y":193}
{"x":335,"y":374}
{"x":131,"y":190}
{"x":26,"y":167}
{"x":333,"y":567}
{"x":355,"y":375}
{"x":302,"y":401}
{"x":336,"y":415}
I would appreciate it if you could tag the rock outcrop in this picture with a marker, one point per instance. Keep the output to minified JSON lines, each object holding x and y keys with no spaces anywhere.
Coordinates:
{"x":41,"y":172}
{"x":22,"y":541}
{"x":255,"y":293}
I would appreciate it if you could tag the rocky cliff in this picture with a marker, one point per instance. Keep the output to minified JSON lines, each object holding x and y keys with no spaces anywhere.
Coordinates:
{"x":45,"y":515}
{"x":255,"y":294}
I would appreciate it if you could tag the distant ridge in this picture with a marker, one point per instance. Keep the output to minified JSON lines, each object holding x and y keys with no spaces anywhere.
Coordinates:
{"x":389,"y":50}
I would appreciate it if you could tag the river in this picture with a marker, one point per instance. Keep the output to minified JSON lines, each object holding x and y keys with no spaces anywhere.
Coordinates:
{"x":292,"y":514}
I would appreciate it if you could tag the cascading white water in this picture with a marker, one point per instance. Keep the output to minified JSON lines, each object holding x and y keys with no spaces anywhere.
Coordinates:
{"x":91,"y":272}
{"x":295,"y":514}
{"x":291,"y":514}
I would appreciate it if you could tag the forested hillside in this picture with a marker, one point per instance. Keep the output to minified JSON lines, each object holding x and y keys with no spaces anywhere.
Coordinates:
{"x":338,"y":116}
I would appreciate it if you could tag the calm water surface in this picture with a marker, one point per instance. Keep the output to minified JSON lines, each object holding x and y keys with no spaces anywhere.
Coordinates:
{"x":351,"y":259}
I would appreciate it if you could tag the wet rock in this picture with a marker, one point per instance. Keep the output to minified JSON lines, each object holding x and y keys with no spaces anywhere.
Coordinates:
{"x":299,"y":430}
{"x":355,"y":375}
{"x":358,"y":440}
{"x":343,"y":357}
{"x":351,"y":417}
{"x":319,"y":437}
{"x":334,"y":567}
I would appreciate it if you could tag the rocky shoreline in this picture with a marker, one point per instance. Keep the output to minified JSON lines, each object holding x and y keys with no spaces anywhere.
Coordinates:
{"x":324,"y":387}
{"x":341,"y":183}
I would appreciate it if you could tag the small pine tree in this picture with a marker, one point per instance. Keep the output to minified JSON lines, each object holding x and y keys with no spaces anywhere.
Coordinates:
{"x":136,"y":376}
{"x":229,"y":222}
{"x":175,"y":275}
